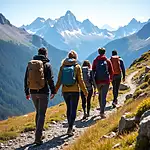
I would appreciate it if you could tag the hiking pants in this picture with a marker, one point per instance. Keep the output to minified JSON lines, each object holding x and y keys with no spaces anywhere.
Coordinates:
{"x":88,"y":101}
{"x":116,"y":83}
{"x":40,"y":102}
{"x":102,"y":90}
{"x":71,"y":99}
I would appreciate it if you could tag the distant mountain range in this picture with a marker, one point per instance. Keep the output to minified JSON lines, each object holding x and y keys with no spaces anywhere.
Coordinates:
{"x":130,"y":47}
{"x":17,"y":47}
{"x":68,"y":33}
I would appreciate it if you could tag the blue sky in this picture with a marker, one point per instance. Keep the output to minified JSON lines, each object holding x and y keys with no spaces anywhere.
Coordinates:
{"x":100,"y":12}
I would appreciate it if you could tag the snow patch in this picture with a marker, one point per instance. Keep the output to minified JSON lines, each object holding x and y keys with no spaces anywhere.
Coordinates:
{"x":147,"y":39}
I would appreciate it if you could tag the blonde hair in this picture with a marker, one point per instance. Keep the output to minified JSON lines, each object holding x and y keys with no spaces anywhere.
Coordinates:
{"x":72,"y":54}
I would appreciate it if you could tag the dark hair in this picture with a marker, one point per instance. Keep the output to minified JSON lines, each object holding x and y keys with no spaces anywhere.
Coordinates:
{"x":101,"y":51}
{"x":114,"y":52}
{"x":42,"y":51}
{"x":86,"y":63}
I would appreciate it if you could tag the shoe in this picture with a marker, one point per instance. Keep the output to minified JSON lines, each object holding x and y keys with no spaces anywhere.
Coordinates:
{"x":102,"y":115}
{"x":88,"y":114}
{"x":84,"y":117}
{"x":114,"y":104}
{"x":70,"y":132}
{"x":38,"y":142}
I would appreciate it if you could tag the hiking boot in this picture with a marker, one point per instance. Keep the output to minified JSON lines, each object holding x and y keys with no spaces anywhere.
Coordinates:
{"x":84,"y":117}
{"x":38,"y":143}
{"x":88,"y":114}
{"x":114,"y":104}
{"x":70,"y":132}
{"x":102,"y":115}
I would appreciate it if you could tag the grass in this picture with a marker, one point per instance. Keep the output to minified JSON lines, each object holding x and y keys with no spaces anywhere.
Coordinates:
{"x":91,"y":138}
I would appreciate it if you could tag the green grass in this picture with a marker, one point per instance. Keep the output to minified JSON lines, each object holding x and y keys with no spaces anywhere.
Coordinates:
{"x":91,"y":139}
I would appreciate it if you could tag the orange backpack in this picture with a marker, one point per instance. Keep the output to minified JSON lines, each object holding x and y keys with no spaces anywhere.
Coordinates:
{"x":116,"y":64}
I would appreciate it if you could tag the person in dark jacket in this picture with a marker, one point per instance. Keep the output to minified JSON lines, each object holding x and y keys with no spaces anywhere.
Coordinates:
{"x":40,"y":97}
{"x":89,"y":82}
{"x":119,"y":72}
{"x":103,"y":73}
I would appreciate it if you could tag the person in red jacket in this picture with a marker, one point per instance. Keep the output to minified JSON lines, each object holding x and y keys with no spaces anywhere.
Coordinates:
{"x":103,"y":74}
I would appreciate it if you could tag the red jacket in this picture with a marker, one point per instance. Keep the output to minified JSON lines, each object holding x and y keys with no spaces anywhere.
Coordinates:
{"x":110,"y":68}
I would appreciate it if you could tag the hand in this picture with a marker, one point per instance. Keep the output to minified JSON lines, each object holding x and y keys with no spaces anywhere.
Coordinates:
{"x":52,"y":96}
{"x":28,"y":97}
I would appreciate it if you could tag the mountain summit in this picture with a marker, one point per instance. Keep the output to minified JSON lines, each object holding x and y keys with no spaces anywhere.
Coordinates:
{"x":3,"y":20}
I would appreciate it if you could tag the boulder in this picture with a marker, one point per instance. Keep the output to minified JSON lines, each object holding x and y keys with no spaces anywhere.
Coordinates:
{"x":123,"y":87}
{"x":147,"y":69}
{"x":126,"y":124}
{"x":129,"y":96}
{"x":143,"y":139}
{"x":146,"y":114}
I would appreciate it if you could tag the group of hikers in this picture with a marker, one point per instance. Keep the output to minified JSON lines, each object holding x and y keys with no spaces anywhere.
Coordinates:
{"x":76,"y":80}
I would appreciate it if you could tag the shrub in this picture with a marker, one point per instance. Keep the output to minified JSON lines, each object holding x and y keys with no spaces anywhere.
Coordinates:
{"x":144,"y":106}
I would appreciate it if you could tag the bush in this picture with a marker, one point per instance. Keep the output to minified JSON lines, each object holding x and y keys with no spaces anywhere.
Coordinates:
{"x":144,"y":106}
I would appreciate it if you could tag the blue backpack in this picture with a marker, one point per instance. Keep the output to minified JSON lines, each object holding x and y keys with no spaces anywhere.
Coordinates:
{"x":102,"y":72}
{"x":68,"y":75}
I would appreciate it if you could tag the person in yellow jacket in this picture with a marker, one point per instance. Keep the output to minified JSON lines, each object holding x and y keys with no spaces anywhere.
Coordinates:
{"x":70,"y":90}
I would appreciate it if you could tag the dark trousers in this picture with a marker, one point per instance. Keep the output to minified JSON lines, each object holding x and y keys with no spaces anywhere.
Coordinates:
{"x":40,"y":102}
{"x":102,"y":90}
{"x":116,"y":83}
{"x":88,"y":101}
{"x":71,"y":99}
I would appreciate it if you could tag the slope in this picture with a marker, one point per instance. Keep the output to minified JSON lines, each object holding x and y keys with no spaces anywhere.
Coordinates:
{"x":16,"y":48}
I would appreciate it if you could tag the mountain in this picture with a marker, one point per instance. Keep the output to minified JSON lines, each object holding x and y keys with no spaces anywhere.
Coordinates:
{"x":68,"y":33}
{"x":17,"y":47}
{"x":108,"y":27}
{"x":132,"y":27}
{"x":130,"y":47}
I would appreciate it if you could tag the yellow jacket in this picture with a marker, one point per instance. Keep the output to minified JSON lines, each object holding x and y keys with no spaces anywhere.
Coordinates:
{"x":79,"y":77}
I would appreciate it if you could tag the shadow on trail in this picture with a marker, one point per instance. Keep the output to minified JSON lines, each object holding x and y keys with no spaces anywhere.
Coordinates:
{"x":53,"y":143}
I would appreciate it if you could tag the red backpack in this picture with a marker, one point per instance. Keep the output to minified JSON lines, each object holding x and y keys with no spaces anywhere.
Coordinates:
{"x":116,"y":64}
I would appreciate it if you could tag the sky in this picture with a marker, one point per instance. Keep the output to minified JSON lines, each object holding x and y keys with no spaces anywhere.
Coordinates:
{"x":112,"y":12}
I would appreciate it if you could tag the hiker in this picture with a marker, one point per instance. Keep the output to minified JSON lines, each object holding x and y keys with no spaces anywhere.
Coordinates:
{"x":119,"y":71}
{"x":103,"y":73}
{"x":88,"y":80}
{"x":70,"y":77}
{"x":38,"y":79}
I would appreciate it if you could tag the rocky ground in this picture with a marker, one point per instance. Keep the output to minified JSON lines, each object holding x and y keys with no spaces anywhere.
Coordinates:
{"x":55,"y":137}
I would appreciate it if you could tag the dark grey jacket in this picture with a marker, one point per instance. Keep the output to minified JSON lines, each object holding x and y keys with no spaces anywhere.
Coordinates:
{"x":48,"y":75}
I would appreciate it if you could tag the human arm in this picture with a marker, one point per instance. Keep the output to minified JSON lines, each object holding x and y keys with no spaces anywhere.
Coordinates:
{"x":50,"y":80}
{"x":58,"y":83}
{"x":80,"y":80}
{"x":110,"y":69}
{"x":26,"y":89}
{"x":122,"y":68}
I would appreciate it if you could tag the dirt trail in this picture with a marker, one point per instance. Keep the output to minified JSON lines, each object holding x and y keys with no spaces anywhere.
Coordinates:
{"x":55,"y":137}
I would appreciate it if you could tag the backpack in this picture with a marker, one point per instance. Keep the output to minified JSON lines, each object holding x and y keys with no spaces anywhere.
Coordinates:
{"x":68,"y":75}
{"x":116,"y":64}
{"x":86,"y":76}
{"x":35,"y":79}
{"x":102,"y":72}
